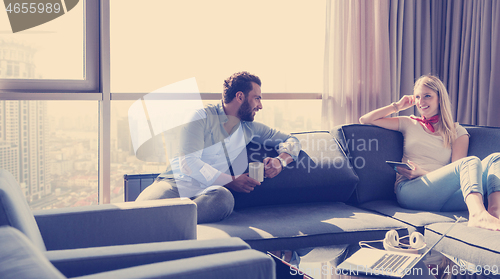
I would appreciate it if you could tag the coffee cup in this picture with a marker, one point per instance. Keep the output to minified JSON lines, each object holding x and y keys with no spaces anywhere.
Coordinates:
{"x":256,"y":171}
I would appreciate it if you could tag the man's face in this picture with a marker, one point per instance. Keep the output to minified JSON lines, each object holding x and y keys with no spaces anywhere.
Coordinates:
{"x":251,"y":105}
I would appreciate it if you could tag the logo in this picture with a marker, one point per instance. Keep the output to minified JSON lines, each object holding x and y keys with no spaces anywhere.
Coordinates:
{"x":26,"y":14}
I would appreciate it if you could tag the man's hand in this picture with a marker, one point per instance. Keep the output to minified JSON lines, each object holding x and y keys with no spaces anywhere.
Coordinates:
{"x":243,"y":184}
{"x":272,"y":167}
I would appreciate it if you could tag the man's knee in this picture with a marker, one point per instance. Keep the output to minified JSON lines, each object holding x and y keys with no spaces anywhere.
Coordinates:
{"x":215,"y":205}
{"x":225,"y":200}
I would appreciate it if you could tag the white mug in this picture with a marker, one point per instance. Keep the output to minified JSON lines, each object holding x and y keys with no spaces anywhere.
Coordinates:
{"x":256,"y":171}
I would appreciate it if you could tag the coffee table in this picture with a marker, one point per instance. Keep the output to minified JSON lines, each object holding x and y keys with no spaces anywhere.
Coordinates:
{"x":321,"y":262}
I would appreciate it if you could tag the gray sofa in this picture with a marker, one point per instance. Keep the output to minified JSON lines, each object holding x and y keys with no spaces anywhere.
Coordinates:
{"x":110,"y":241}
{"x":341,"y":191}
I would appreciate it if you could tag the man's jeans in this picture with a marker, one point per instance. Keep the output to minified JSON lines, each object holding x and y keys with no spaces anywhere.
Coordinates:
{"x":212,"y":206}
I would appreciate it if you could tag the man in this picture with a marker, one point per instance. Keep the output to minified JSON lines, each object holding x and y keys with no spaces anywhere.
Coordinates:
{"x":208,"y":161}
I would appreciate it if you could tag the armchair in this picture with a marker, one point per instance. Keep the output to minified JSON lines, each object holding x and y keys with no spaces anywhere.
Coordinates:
{"x":97,"y":225}
{"x":152,"y":239}
{"x":19,"y":258}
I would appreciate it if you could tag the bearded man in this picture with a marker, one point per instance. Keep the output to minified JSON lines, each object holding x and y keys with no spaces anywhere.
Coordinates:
{"x":209,"y":164}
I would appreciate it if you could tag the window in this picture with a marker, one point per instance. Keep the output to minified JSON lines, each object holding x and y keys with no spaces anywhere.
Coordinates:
{"x":115,"y":61}
{"x":63,"y":158}
{"x":280,"y":41}
{"x":51,"y":62}
{"x":58,"y":56}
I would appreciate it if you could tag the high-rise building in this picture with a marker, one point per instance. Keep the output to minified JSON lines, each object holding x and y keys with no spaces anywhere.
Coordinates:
{"x":23,"y":126}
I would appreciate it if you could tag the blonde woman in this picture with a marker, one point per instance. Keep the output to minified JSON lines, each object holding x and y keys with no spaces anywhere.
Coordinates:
{"x":443,"y":177}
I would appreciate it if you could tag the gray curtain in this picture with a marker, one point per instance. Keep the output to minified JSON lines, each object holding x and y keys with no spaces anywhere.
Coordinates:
{"x":457,"y":40}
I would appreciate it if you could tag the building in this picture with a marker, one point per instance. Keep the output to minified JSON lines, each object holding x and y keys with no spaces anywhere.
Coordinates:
{"x":23,"y":125}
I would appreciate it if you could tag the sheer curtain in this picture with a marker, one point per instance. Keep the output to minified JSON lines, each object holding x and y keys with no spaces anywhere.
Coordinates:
{"x":357,"y":63}
{"x":375,"y":50}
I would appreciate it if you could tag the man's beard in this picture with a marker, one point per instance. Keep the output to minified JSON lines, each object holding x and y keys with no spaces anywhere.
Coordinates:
{"x":245,"y":112}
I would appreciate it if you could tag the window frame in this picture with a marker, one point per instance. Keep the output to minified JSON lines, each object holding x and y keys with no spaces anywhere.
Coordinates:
{"x":10,"y":87}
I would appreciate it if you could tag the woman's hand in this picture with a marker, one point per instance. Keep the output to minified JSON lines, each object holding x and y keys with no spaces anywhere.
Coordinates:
{"x":411,"y":174}
{"x":405,"y":102}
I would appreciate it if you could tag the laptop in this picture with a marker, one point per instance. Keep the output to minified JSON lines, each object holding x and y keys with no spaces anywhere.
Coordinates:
{"x":375,"y":262}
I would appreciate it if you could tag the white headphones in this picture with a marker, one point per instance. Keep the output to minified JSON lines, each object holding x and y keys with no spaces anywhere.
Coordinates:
{"x":392,"y":243}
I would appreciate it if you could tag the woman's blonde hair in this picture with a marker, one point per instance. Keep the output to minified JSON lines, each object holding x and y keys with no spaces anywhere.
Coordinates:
{"x":445,"y":126}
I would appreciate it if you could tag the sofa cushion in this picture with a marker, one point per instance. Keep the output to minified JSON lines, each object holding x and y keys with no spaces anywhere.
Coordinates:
{"x":368,"y":147}
{"x":242,"y":264}
{"x":322,"y":173}
{"x":80,"y":262}
{"x":288,"y":227}
{"x":483,"y":140}
{"x":15,"y":211}
{"x":474,"y":245}
{"x":20,"y":259}
{"x":415,"y":218}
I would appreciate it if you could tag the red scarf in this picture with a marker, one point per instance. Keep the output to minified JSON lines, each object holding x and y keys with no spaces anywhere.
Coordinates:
{"x":427,"y":122}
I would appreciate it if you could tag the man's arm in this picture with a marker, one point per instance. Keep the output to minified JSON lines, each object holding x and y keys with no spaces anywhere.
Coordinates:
{"x":192,"y":145}
{"x":289,"y":148}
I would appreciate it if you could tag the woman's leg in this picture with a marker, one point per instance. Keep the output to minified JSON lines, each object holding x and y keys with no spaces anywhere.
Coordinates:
{"x":491,"y":178}
{"x":437,"y":190}
{"x":478,"y":215}
{"x":494,"y":204}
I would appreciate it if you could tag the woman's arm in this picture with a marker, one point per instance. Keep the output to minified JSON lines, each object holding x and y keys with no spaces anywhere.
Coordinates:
{"x":459,"y":148}
{"x":377,"y":117}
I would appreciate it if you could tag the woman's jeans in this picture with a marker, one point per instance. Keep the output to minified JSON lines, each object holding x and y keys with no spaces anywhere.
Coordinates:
{"x":446,"y":188}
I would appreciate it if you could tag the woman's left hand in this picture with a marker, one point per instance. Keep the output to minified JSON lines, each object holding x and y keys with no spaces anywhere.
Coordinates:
{"x":411,"y":174}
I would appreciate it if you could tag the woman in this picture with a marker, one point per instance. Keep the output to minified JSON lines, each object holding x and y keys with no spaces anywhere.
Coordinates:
{"x":443,"y":178}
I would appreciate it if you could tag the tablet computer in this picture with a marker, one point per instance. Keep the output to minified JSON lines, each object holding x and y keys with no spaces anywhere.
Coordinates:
{"x":399,"y":164}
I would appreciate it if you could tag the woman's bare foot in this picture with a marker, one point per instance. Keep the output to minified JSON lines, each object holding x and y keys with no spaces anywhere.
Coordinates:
{"x":484,"y":220}
{"x":495,"y":212}
{"x":494,"y":204}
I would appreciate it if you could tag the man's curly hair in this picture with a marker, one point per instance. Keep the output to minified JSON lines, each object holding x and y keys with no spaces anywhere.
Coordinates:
{"x":241,"y":81}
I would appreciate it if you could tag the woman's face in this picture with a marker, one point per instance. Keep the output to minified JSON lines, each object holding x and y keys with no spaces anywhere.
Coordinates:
{"x":426,"y":100}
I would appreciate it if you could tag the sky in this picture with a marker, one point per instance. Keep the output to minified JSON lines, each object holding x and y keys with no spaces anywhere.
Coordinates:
{"x":155,"y":43}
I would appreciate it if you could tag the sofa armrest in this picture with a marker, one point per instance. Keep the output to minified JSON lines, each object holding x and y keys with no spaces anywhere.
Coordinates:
{"x":79,"y":262}
{"x":243,"y":264}
{"x":117,"y":224}
{"x":19,"y":258}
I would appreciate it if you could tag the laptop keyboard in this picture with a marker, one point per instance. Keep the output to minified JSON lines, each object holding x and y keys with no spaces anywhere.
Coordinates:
{"x":392,"y":262}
